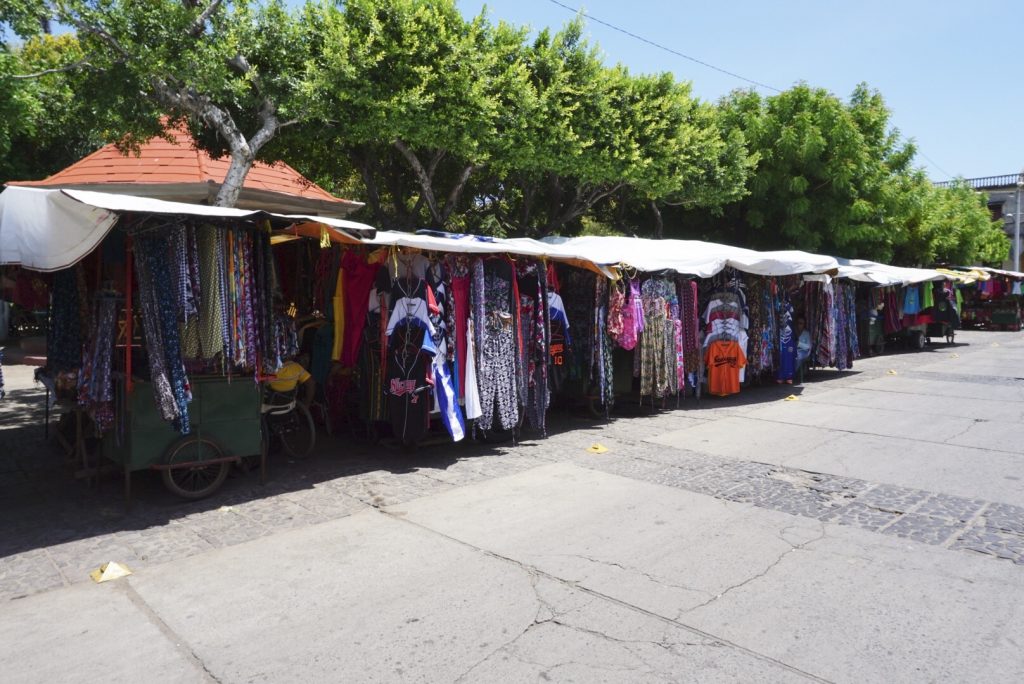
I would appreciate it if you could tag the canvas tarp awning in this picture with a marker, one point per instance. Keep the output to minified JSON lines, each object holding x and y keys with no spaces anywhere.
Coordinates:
{"x":866,"y":271}
{"x":47,"y":230}
{"x":462,"y":243}
{"x":607,"y":253}
{"x":690,"y":257}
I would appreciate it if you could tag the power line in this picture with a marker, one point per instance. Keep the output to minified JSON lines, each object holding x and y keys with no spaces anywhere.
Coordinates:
{"x":932,"y":162}
{"x":701,"y":62}
{"x":665,"y":48}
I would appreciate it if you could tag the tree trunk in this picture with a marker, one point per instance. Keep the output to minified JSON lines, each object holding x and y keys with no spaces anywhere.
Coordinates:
{"x":659,"y":224}
{"x":231,"y":188}
{"x":367,"y":166}
{"x":456,"y":193}
{"x":424,"y":179}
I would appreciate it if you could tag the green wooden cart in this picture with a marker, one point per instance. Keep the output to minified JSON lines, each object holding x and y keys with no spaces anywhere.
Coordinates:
{"x":225,"y":422}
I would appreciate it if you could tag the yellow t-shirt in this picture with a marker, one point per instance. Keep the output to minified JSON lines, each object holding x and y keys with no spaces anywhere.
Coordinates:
{"x":289,"y":376}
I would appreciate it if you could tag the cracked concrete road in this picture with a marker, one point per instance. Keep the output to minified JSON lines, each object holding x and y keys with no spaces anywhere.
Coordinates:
{"x":871,"y":531}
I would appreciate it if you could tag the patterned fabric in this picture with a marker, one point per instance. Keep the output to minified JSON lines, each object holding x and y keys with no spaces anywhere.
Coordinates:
{"x":221,"y":255}
{"x":160,"y":324}
{"x":64,"y":334}
{"x":689,"y":315}
{"x":95,"y":389}
{"x":577,"y":291}
{"x":603,"y":345}
{"x":654,"y":363}
{"x":211,"y":307}
{"x":616,"y":311}
{"x":496,"y":372}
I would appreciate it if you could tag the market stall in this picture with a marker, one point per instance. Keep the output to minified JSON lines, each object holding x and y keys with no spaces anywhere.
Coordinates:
{"x":992,"y":299}
{"x":164,"y":318}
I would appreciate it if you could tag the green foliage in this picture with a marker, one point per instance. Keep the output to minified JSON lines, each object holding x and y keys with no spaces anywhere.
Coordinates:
{"x":822,"y":171}
{"x":959,"y":229}
{"x":435,"y":119}
{"x":232,"y":70}
{"x":44,"y":123}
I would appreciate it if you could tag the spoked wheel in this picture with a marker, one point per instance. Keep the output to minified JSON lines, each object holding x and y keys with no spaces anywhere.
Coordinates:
{"x":196,"y":479}
{"x":296,"y":431}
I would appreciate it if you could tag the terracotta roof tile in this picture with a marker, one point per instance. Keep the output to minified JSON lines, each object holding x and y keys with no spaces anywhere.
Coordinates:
{"x":160,"y":161}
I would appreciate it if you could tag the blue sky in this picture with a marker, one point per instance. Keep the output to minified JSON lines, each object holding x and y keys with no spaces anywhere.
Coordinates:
{"x":948,"y":70}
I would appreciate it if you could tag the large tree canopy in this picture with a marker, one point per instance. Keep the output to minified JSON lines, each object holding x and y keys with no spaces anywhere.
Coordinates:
{"x":231,"y":69}
{"x":443,"y":121}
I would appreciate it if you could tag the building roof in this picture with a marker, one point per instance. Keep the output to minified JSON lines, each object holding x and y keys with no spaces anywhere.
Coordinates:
{"x":178,"y":170}
{"x":1005,"y":181}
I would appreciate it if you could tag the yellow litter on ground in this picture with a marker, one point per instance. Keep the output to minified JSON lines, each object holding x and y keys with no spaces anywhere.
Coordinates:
{"x":891,"y":372}
{"x":792,"y":397}
{"x":597,"y":449}
{"x":109,"y":571}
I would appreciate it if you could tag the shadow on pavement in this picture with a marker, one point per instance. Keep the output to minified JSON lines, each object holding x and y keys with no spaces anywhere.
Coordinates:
{"x":42,"y":504}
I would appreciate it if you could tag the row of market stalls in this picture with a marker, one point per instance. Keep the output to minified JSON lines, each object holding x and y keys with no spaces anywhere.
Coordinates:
{"x":166,"y":322}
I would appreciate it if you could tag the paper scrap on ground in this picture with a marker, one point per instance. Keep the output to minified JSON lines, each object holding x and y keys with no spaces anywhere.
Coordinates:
{"x":226,"y":509}
{"x":792,"y":397}
{"x":954,"y":356}
{"x":597,"y":449}
{"x":891,"y":372}
{"x":109,"y":571}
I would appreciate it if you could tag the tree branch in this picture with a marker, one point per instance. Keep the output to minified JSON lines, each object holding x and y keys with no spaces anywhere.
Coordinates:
{"x":100,"y":33}
{"x":456,"y":192}
{"x":199,"y":25}
{"x":83,"y":64}
{"x":424,"y":178}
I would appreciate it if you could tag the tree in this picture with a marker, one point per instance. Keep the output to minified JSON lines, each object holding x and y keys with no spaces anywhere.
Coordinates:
{"x":232,"y":70}
{"x":413,"y":82}
{"x":602,"y":134}
{"x":824,"y":167}
{"x":959,"y":229}
{"x":45,"y":122}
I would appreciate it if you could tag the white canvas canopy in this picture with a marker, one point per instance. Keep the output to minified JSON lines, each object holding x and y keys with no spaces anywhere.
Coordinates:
{"x":462,"y":243}
{"x":690,"y":257}
{"x":866,"y":271}
{"x":47,"y":230}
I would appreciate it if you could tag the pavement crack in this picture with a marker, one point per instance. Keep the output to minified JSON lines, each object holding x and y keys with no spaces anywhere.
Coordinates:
{"x":610,"y":599}
{"x":771,"y":566}
{"x":625,"y":568}
{"x":177,"y":641}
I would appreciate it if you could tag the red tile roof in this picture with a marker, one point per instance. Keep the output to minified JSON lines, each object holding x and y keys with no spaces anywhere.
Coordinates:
{"x":179,"y":162}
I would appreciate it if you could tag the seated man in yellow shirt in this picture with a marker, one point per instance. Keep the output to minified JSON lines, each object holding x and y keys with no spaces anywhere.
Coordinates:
{"x":291,"y":375}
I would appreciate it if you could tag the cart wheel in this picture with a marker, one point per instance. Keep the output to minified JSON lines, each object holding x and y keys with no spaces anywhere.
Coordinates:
{"x":950,"y":337}
{"x":919,"y":341}
{"x":297,"y":432}
{"x":198,"y":481}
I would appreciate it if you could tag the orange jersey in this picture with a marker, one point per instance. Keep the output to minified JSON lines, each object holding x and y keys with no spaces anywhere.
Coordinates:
{"x":724,"y":359}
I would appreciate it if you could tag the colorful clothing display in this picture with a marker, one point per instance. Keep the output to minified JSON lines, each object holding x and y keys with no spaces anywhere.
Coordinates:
{"x":724,"y":359}
{"x":495,"y":328}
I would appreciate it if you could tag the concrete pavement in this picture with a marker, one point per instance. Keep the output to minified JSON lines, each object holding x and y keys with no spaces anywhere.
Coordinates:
{"x":873,"y":530}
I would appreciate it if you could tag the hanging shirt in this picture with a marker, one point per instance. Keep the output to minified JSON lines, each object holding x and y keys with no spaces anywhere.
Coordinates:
{"x":729,"y":328}
{"x":928,"y":300}
{"x":556,"y":313}
{"x":724,"y":360}
{"x":408,"y":307}
{"x":409,"y":378}
{"x":912,"y":300}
